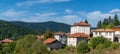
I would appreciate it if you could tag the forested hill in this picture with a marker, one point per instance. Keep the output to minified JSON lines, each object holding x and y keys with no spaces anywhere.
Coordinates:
{"x":16,"y":29}
{"x":9,"y":30}
{"x":43,"y":26}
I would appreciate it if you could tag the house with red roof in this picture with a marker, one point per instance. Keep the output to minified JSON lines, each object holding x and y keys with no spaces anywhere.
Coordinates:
{"x":6,"y":40}
{"x":79,"y":31}
{"x":107,"y":33}
{"x":53,"y":44}
{"x":61,"y":36}
{"x":80,"y":27}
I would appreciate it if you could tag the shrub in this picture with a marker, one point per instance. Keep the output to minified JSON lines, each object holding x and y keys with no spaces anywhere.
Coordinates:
{"x":99,"y":40}
{"x":82,"y":47}
{"x":30,"y":45}
{"x":100,"y":46}
{"x":107,"y":43}
{"x":114,"y":45}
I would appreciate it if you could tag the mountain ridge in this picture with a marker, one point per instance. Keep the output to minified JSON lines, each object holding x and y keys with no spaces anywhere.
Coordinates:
{"x":43,"y":26}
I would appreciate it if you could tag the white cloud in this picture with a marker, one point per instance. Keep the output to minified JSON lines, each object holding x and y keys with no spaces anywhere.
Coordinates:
{"x":39,"y":17}
{"x":68,"y":11}
{"x":97,"y":15}
{"x":69,"y":19}
{"x":12,"y":13}
{"x":32,"y":2}
{"x":114,"y":11}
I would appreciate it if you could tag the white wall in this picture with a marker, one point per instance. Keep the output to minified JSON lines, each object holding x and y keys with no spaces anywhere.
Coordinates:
{"x":72,"y":41}
{"x":80,"y":29}
{"x":62,"y":39}
{"x":117,"y":34}
{"x":108,"y":35}
{"x":57,"y":37}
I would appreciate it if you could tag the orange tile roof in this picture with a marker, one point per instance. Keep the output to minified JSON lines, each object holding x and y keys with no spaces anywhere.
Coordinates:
{"x":59,"y":33}
{"x":103,"y":30}
{"x":81,"y":24}
{"x":40,"y":37}
{"x":49,"y":40}
{"x":75,"y":35}
{"x":116,"y":28}
{"x":6,"y":40}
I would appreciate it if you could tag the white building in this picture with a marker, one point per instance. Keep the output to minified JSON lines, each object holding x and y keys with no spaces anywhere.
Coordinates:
{"x":79,"y":31}
{"x":61,"y":36}
{"x":107,"y":33}
{"x":80,"y":27}
{"x":117,"y":33}
{"x":74,"y":39}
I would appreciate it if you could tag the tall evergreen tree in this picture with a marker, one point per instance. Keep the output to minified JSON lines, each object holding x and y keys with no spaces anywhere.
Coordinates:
{"x":99,"y":24}
{"x":86,"y":21}
{"x":116,"y":20}
{"x":105,"y":21}
{"x":110,"y":20}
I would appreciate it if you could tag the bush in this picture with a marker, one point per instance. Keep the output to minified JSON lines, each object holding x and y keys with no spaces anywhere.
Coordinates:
{"x":30,"y":45}
{"x":114,"y":45}
{"x":82,"y":47}
{"x":107,"y":43}
{"x":100,"y":46}
{"x":99,"y":40}
{"x":8,"y":48}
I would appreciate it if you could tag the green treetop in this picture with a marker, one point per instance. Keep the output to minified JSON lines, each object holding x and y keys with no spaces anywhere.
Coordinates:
{"x":116,"y":20}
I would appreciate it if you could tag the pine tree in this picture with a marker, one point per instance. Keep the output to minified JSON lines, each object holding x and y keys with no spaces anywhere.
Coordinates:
{"x":110,"y":20}
{"x":86,"y":21}
{"x":99,"y":24}
{"x":116,"y":20}
{"x":105,"y":21}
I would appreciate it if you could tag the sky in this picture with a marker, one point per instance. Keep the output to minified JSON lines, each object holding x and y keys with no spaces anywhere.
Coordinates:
{"x":65,"y":11}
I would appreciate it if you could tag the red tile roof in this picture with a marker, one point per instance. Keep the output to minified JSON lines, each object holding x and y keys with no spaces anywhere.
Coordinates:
{"x":49,"y":40}
{"x":116,"y":28}
{"x":75,"y":35}
{"x":6,"y":40}
{"x":81,"y":24}
{"x":103,"y":30}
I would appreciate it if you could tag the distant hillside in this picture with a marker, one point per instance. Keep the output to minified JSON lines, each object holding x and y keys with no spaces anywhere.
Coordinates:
{"x":43,"y":26}
{"x":9,"y":30}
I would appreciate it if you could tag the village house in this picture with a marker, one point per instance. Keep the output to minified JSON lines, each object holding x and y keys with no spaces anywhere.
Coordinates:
{"x":61,"y":36}
{"x":107,"y":33}
{"x":117,"y":33}
{"x":80,"y":27}
{"x":79,"y":31}
{"x":74,"y":39}
{"x":53,"y":44}
{"x":6,"y":40}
